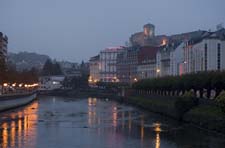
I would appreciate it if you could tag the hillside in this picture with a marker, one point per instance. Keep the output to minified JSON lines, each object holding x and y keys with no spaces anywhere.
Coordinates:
{"x":27,"y":60}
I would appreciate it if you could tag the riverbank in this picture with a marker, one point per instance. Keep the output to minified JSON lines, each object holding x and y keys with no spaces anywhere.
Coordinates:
{"x":203,"y":115}
{"x":81,"y":93}
{"x":12,"y":101}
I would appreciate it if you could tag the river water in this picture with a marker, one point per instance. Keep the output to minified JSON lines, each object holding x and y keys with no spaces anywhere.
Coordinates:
{"x":56,"y":122}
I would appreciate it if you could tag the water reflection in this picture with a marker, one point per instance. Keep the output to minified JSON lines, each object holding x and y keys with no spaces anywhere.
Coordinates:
{"x":142,"y":128}
{"x":17,"y":126}
{"x":96,"y":123}
{"x":114,"y":116}
{"x":157,"y":139}
{"x":92,"y":111}
{"x":132,"y":124}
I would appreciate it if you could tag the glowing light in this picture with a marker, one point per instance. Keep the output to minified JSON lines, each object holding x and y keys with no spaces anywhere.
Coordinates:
{"x":25,"y":85}
{"x":158,"y":70}
{"x":157,"y":141}
{"x":157,"y":130}
{"x":5,"y":135}
{"x":20,"y":85}
{"x":14,"y":84}
{"x":157,"y":127}
{"x":135,"y":79}
{"x":55,"y":82}
{"x":164,"y":42}
{"x":5,"y":84}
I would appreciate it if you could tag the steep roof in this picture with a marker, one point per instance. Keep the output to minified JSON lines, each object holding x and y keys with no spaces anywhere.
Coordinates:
{"x":219,"y":34}
{"x":95,"y":58}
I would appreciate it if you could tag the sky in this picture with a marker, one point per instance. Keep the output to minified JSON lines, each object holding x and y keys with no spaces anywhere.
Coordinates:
{"x":75,"y":30}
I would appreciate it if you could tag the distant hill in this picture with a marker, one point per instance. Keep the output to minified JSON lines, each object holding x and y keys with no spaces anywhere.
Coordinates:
{"x":27,"y":60}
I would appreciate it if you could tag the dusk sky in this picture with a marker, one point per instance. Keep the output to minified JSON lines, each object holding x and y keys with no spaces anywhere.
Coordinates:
{"x":78,"y":29}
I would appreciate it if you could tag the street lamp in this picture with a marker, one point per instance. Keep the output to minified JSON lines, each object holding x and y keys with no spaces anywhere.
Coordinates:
{"x":157,"y":72}
{"x":5,"y":84}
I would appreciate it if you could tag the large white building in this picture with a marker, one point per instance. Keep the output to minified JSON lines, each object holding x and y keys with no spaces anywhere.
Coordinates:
{"x":177,"y":60}
{"x":206,"y":53}
{"x":108,"y":64}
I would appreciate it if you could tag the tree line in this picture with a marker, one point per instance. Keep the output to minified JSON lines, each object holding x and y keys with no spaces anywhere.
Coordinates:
{"x":13,"y":76}
{"x":201,"y":81}
{"x":51,"y":68}
{"x":9,"y":74}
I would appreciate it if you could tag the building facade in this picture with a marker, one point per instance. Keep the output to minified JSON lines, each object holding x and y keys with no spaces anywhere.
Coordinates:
{"x":163,"y":61}
{"x":147,"y":62}
{"x":108,"y":64}
{"x":94,"y":65}
{"x":177,"y":60}
{"x":51,"y":82}
{"x":151,"y":56}
{"x":206,"y":53}
{"x":127,"y":65}
{"x":3,"y":47}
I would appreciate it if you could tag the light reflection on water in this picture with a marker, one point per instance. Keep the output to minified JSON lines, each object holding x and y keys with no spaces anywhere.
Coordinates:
{"x":54,"y":122}
{"x":15,"y":127}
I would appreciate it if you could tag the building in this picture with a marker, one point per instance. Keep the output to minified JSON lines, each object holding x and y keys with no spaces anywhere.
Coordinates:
{"x":108,"y":64}
{"x":206,"y":53}
{"x":147,"y":37}
{"x":51,"y":82}
{"x":150,"y":56}
{"x":127,"y":62}
{"x":147,"y":62}
{"x":177,"y":60}
{"x":3,"y":47}
{"x":170,"y":57}
{"x":94,"y":65}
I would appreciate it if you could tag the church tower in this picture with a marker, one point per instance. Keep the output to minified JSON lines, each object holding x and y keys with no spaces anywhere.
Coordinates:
{"x":149,"y":30}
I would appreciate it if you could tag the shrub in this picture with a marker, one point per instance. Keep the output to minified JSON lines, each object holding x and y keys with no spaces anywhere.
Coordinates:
{"x":185,"y":103}
{"x":221,"y":100}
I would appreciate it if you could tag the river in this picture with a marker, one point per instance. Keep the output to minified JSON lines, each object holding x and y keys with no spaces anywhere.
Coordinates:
{"x":57,"y":122}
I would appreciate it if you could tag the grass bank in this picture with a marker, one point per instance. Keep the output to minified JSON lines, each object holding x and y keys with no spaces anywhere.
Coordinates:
{"x":157,"y":104}
{"x":201,"y":115}
{"x":206,"y":116}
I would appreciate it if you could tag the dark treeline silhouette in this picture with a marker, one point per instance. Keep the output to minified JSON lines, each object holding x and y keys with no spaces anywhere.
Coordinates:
{"x":13,"y":76}
{"x":213,"y":80}
{"x":51,"y":68}
{"x":2,"y":70}
{"x":81,"y":81}
{"x":8,"y":74}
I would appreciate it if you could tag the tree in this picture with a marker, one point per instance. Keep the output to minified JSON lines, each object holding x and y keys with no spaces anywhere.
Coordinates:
{"x":3,"y":69}
{"x":48,"y":67}
{"x":195,"y":81}
{"x":51,"y":68}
